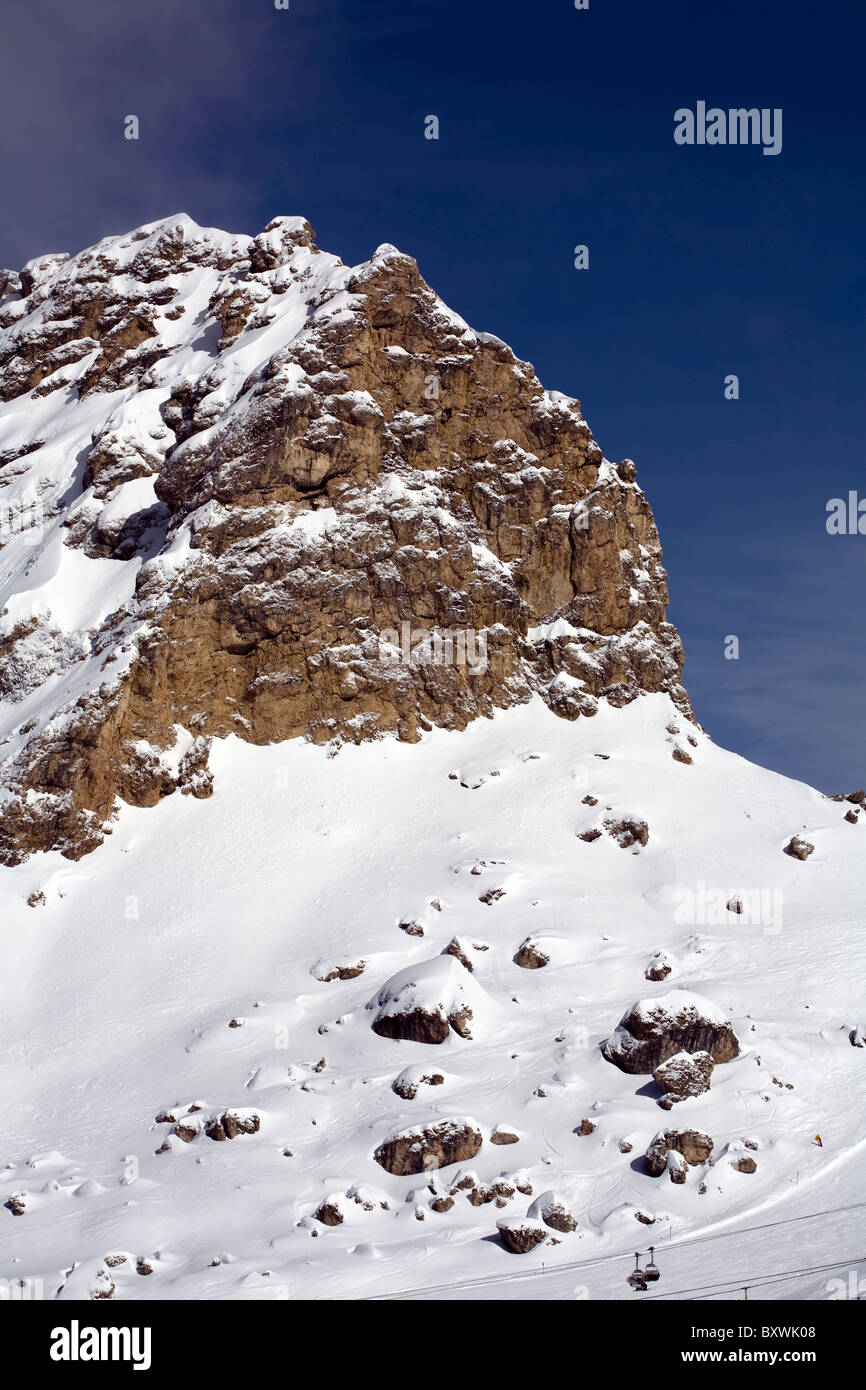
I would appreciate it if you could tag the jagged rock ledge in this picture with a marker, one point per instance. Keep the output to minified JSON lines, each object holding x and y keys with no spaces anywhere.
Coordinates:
{"x":281,"y":475}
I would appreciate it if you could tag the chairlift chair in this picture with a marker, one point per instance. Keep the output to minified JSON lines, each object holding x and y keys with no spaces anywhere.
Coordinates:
{"x":636,"y":1278}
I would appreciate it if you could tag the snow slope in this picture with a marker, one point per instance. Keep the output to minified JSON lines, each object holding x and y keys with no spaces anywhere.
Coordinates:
{"x":118,"y":991}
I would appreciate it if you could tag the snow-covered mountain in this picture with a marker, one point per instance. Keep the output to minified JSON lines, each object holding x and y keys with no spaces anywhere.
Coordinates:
{"x":376,"y":916}
{"x":261,"y":475}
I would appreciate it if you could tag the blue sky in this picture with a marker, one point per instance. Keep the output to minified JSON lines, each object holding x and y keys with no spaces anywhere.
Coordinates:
{"x":556,"y":129}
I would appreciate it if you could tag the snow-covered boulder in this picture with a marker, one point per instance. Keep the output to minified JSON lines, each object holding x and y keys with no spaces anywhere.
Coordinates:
{"x":684,"y":1075}
{"x":504,"y":1134}
{"x":531,"y":955}
{"x":798,"y":848}
{"x":692,"y":1145}
{"x":520,"y":1234}
{"x":464,"y":1181}
{"x":425,"y":1001}
{"x":676,"y":1166}
{"x":187,"y":1130}
{"x":407,"y":1083}
{"x":426,"y":1148}
{"x":411,"y":926}
{"x":659,"y":967}
{"x":655,"y":1029}
{"x":442,"y":1204}
{"x":629,"y":831}
{"x":552,"y":1209}
{"x":231,"y":1123}
{"x":331,"y":1211}
{"x":331,"y":968}
{"x":500,"y":1191}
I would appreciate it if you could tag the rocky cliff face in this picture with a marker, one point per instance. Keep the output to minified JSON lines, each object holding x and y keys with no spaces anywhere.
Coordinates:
{"x":247,"y":489}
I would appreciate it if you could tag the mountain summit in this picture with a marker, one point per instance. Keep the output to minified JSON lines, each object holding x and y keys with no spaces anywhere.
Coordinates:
{"x":425,"y":943}
{"x":282,"y":496}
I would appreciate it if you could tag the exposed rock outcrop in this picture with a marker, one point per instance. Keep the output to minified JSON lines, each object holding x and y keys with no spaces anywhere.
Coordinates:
{"x":683,"y":1075}
{"x":425,"y":1002}
{"x":857,"y":798}
{"x":407,"y":1083}
{"x":330,"y":1213}
{"x":520,"y":1235}
{"x":231,"y":1123}
{"x":442,"y":1204}
{"x":460,"y":951}
{"x":531,"y":956}
{"x":628,"y":832}
{"x":428,"y":1148}
{"x":187,"y":1130}
{"x":691,"y":1145}
{"x":655,"y":1029}
{"x":798,"y":848}
{"x":553,"y":1210}
{"x":359,"y":518}
{"x":659,"y":967}
{"x":328,"y":970}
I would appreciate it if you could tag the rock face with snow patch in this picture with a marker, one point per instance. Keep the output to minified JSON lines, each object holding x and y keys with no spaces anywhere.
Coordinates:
{"x":268,"y":481}
{"x":428,"y":1148}
{"x":407,"y":1083}
{"x":655,"y":1029}
{"x":426,"y":1001}
{"x":531,"y":956}
{"x":659,"y":966}
{"x":520,"y":1235}
{"x":798,"y":848}
{"x":330,"y":1213}
{"x":683,"y":1075}
{"x":552,"y":1209}
{"x":628,"y":832}
{"x":691,"y":1145}
{"x":328,"y":970}
{"x":231,"y":1123}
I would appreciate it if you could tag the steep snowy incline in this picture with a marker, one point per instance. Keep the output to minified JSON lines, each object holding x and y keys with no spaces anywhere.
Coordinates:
{"x":462,"y":950}
{"x":195,"y":1091}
